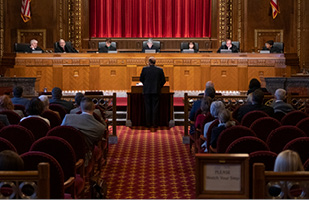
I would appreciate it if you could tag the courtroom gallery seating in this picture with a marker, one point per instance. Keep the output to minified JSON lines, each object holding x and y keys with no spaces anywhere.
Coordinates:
{"x":301,"y":146}
{"x":292,"y":118}
{"x":53,"y":118}
{"x":247,"y":144}
{"x":20,"y":107}
{"x":279,"y":137}
{"x":19,"y":136}
{"x":304,"y":125}
{"x":55,"y":107}
{"x":6,"y":145}
{"x":208,"y":134}
{"x":263,"y":126}
{"x":12,"y":116}
{"x":250,"y":117}
{"x":37,"y":126}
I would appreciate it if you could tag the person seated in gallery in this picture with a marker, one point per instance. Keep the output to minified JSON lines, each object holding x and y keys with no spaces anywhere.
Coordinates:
{"x":150,"y":46}
{"x":35,"y":109}
{"x":278,"y":104}
{"x":269,"y":46}
{"x":256,"y":104}
{"x":17,"y":99}
{"x":45,"y":102}
{"x":56,"y":99}
{"x":229,"y":46}
{"x":191,"y":46}
{"x":7,"y":105}
{"x":33,"y":46}
{"x":10,"y":161}
{"x":255,"y":84}
{"x":108,"y":46}
{"x":63,"y":47}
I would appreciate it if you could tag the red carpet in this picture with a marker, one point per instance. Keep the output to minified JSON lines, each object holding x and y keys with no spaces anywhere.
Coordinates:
{"x":150,"y":165}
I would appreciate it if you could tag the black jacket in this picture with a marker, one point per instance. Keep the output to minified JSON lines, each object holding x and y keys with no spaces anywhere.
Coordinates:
{"x":234,"y":48}
{"x":105,"y":49}
{"x":67,"y":49}
{"x":153,"y":79}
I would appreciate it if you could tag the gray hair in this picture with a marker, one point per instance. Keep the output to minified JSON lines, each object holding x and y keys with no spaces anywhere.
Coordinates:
{"x":150,"y":41}
{"x":33,"y":41}
{"x":280,"y":94}
{"x":45,"y":100}
{"x":210,"y":84}
{"x":288,"y":161}
{"x":216,"y":107}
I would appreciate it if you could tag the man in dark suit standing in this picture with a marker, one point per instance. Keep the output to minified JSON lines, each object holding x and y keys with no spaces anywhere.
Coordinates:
{"x":153,"y":80}
{"x":62,"y":47}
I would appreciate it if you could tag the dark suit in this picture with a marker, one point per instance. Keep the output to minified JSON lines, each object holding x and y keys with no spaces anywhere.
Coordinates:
{"x":233,"y":48}
{"x":273,"y":49}
{"x":152,"y":47}
{"x":250,"y":107}
{"x":65,"y":104}
{"x":216,"y":131}
{"x":105,"y":49}
{"x":67,"y":49}
{"x":88,"y":125}
{"x":29,"y":49}
{"x":153,"y":80}
{"x":20,"y":101}
{"x":4,"y":120}
{"x":281,"y":106}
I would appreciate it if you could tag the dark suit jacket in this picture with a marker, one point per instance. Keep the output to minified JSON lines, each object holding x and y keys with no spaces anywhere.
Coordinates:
{"x":105,"y":49}
{"x":157,"y":50}
{"x":4,"y":119}
{"x":215,"y":132}
{"x":153,"y":79}
{"x":273,"y":49}
{"x":88,"y":125}
{"x":281,"y":106}
{"x":250,"y":107}
{"x":29,"y":50}
{"x":234,"y":48}
{"x":67,"y":49}
{"x":21,"y":101}
{"x":65,"y":104}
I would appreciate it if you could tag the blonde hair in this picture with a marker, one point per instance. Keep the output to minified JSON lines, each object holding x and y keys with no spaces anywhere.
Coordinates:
{"x":6,"y":103}
{"x":288,"y":161}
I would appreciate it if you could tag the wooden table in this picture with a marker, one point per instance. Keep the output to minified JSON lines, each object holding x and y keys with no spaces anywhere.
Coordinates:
{"x":187,"y":71}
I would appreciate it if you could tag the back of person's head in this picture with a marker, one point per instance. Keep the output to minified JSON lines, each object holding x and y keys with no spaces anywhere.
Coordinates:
{"x":270,"y":42}
{"x":288,"y":161}
{"x":152,"y":61}
{"x":36,"y":107}
{"x":280,"y":94}
{"x":257,"y":97}
{"x":210,"y":92}
{"x":225,"y":117}
{"x":18,"y":91}
{"x":6,"y":103}
{"x":209,"y":84}
{"x":56,"y":93}
{"x":45,"y":101}
{"x":78,"y":98}
{"x":86,"y":105}
{"x":216,"y":107}
{"x":254,"y":83}
{"x":205,"y":104}
{"x":10,"y":161}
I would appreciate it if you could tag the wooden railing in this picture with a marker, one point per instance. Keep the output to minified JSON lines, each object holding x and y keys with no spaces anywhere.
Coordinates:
{"x":299,"y":102}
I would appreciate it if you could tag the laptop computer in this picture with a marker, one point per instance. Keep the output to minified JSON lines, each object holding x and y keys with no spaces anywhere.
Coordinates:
{"x":150,"y":51}
{"x":225,"y":51}
{"x":188,"y":51}
{"x":264,"y":51}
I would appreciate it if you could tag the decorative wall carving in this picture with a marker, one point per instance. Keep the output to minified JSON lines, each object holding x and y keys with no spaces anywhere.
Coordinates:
{"x":225,"y":20}
{"x":74,"y":22}
{"x":1,"y":28}
{"x":25,"y":35}
{"x":263,"y":35}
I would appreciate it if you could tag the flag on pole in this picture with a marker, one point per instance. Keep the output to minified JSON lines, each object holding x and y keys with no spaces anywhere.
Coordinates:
{"x":25,"y":10}
{"x":275,"y":8}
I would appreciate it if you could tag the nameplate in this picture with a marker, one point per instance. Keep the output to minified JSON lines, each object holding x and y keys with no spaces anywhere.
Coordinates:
{"x":150,"y":51}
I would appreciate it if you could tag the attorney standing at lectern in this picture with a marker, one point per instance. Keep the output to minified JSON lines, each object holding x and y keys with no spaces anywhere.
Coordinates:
{"x":153,"y":80}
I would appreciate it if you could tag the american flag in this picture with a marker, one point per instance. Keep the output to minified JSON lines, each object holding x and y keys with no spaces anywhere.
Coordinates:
{"x":275,"y":8}
{"x":25,"y":10}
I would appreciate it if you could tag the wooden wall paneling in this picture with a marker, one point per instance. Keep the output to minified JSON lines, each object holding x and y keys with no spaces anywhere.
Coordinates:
{"x":259,"y":73}
{"x":205,"y":75}
{"x":186,"y":78}
{"x":130,"y":72}
{"x":95,"y":77}
{"x":225,"y":77}
{"x":85,"y":23}
{"x":57,"y":76}
{"x":242,"y":82}
{"x":113,"y":77}
{"x":168,"y":72}
{"x":26,"y":35}
{"x":261,"y":36}
{"x":76,"y":78}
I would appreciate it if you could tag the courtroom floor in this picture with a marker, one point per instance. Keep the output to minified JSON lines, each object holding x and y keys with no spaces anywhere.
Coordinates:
{"x":149,"y":164}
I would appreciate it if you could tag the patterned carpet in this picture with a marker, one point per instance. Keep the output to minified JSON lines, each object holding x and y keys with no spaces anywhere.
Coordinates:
{"x":148,"y":164}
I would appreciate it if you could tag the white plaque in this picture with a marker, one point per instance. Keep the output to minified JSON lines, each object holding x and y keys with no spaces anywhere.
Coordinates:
{"x":222,"y":177}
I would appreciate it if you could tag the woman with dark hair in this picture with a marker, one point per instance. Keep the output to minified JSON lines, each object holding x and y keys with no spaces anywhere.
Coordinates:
{"x":35,"y":109}
{"x":6,"y":104}
{"x":192,"y":46}
{"x":10,"y":161}
{"x":255,"y":84}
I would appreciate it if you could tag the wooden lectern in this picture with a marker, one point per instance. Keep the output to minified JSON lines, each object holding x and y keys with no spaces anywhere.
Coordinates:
{"x":136,"y":107}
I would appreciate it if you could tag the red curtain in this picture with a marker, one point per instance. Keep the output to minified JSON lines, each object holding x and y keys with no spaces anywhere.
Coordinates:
{"x":150,"y":18}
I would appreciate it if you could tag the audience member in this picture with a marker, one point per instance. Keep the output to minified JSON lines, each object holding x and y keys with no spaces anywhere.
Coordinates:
{"x":35,"y":109}
{"x":278,"y":104}
{"x":229,"y":46}
{"x":10,"y":161}
{"x":202,"y":118}
{"x":56,"y":99}
{"x":17,"y":99}
{"x":86,"y":123}
{"x":4,"y":119}
{"x":257,"y":104}
{"x":209,"y":84}
{"x":288,"y":161}
{"x":6,"y":104}
{"x":63,"y":47}
{"x":269,"y":46}
{"x":150,"y":46}
{"x":33,"y":46}
{"x":108,"y":46}
{"x":224,"y":122}
{"x":255,"y":84}
{"x":45,"y":102}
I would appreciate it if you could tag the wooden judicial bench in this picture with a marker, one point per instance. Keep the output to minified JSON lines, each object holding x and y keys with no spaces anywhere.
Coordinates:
{"x":136,"y":106}
{"x":186,"y":71}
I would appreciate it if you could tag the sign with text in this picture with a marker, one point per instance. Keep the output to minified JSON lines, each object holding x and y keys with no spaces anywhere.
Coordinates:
{"x":222,"y":177}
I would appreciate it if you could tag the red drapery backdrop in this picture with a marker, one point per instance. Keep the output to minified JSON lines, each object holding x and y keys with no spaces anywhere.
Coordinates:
{"x":150,"y":18}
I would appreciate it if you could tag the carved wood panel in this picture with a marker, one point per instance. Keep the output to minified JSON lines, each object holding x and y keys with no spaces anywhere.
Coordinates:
{"x":25,"y":35}
{"x":261,"y":36}
{"x":225,"y":78}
